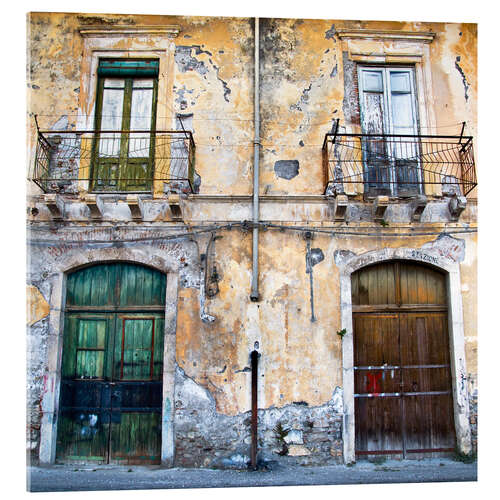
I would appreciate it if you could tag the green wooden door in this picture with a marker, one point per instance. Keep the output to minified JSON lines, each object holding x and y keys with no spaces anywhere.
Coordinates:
{"x":112,"y":366}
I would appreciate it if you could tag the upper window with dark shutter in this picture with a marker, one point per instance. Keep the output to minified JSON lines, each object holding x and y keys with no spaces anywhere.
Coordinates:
{"x":389,"y":107}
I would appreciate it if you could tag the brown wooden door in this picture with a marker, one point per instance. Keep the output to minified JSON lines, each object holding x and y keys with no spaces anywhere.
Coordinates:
{"x":403,"y":400}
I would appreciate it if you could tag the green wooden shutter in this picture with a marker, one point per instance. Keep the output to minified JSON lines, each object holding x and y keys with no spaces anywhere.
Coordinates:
{"x":128,"y":68}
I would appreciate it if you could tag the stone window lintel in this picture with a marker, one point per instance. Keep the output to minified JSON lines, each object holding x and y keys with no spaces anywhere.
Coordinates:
{"x":170,"y":31}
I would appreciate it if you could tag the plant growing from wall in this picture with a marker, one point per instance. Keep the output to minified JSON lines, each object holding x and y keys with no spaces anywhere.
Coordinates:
{"x":281,"y":432}
{"x":341,"y":333}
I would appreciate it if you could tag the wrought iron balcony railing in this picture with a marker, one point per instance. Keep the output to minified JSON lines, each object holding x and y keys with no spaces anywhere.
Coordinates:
{"x":398,"y":165}
{"x":114,"y":161}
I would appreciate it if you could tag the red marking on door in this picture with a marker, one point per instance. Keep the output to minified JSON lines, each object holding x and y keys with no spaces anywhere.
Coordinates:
{"x":373,"y":383}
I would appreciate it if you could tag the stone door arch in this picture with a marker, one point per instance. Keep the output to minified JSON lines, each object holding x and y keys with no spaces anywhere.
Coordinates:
{"x":78,"y":258}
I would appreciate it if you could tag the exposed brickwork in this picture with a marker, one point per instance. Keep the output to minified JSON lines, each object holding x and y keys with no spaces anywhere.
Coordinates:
{"x":205,"y":438}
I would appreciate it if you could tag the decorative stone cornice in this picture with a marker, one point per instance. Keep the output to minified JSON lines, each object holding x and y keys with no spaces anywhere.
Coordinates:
{"x":409,"y":36}
{"x":101,"y":31}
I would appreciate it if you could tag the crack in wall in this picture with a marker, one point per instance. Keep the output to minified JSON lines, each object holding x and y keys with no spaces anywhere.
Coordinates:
{"x":464,"y":78}
{"x":304,"y":99}
{"x":330,"y":34}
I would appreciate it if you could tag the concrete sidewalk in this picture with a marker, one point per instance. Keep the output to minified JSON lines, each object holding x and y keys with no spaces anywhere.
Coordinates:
{"x":88,"y":478}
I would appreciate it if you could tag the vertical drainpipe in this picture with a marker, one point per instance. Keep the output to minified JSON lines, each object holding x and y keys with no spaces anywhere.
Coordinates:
{"x":254,"y":360}
{"x":254,"y":294}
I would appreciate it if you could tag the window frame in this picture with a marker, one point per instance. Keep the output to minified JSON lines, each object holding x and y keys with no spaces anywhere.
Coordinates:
{"x":124,"y":42}
{"x":124,"y":160}
{"x":392,"y":187}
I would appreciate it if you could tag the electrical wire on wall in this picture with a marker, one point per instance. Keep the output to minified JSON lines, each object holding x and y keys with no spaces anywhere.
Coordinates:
{"x":245,"y":226}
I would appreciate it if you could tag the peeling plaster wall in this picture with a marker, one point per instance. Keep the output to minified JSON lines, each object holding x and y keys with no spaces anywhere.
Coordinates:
{"x":217,"y":440}
{"x":295,"y":351}
{"x":306,"y":83}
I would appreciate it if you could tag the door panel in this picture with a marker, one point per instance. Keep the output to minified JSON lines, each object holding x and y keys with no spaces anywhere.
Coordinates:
{"x":137,"y":393}
{"x":377,"y":339}
{"x":85,"y":400}
{"x":137,"y":348}
{"x":138,"y":353}
{"x":376,"y":285}
{"x":427,"y":398}
{"x":428,"y":421}
{"x":426,"y":339}
{"x":83,"y":426}
{"x":403,"y":121}
{"x":377,"y":383}
{"x":378,"y":426}
{"x":377,"y":172}
{"x":136,"y":422}
{"x":123,"y":161}
{"x":134,"y":438}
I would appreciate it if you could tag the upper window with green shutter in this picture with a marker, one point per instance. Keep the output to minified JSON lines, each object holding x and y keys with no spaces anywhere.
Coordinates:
{"x":123,"y":155}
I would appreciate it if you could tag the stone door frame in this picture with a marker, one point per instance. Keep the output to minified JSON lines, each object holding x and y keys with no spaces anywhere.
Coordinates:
{"x":52,"y":378}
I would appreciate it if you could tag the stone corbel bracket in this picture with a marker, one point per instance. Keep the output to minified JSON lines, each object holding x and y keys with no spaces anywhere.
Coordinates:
{"x":380,"y":204}
{"x":91,"y":202}
{"x":340,"y":203}
{"x":175,"y":204}
{"x":133,"y":203}
{"x":55,"y":204}
{"x":340,"y":207}
{"x":417,"y":207}
{"x":457,"y":205}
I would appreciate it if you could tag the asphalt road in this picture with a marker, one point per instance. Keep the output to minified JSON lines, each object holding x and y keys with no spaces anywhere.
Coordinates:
{"x":88,"y":478}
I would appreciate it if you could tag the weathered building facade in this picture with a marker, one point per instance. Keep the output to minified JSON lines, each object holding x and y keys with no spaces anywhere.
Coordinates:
{"x":205,"y":188}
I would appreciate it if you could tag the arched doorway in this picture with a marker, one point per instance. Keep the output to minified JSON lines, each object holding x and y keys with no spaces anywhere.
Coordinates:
{"x":402,"y":377}
{"x":112,"y":365}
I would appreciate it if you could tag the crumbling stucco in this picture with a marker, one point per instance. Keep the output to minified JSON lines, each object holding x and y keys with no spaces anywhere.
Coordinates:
{"x":38,"y":308}
{"x":206,"y":438}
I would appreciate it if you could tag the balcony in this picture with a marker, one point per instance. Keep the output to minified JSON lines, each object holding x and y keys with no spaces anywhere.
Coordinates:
{"x":123,"y":161}
{"x":398,"y":165}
